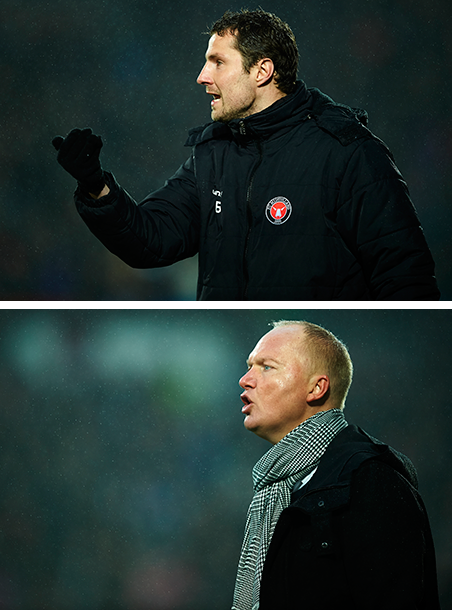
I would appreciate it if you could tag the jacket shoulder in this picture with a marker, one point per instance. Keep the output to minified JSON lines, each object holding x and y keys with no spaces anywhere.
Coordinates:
{"x":344,"y":123}
{"x":349,"y":451}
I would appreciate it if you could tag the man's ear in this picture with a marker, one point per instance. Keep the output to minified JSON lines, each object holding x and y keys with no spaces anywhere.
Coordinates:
{"x":265,"y":68}
{"x":319,"y":390}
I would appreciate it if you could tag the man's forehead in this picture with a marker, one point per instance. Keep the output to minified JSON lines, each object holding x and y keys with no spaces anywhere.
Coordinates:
{"x":221,"y":44}
{"x":278,"y":341}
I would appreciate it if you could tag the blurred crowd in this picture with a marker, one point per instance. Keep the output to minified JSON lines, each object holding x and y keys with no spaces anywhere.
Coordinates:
{"x":128,"y":70}
{"x":126,"y":470}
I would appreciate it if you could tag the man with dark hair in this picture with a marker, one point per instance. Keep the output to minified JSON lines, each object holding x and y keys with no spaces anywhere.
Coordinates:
{"x":286,"y":195}
{"x":336,"y":520}
{"x":257,"y":35}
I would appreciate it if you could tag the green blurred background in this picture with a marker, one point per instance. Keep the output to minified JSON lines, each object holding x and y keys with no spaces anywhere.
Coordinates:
{"x":126,"y":469}
{"x":128,"y":68}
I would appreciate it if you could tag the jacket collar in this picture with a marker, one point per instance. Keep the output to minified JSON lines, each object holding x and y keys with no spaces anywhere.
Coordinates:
{"x":345,"y":123}
{"x":344,"y":455}
{"x":278,"y":116}
{"x":348,"y":450}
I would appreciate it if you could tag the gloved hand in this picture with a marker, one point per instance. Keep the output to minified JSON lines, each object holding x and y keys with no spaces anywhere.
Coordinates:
{"x":78,"y":154}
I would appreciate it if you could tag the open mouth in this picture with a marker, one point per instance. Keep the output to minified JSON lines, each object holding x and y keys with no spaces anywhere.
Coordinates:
{"x":246,"y":403}
{"x":215,"y":99}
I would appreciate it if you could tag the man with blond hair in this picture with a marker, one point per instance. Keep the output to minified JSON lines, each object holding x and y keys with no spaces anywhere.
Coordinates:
{"x":336,"y":519}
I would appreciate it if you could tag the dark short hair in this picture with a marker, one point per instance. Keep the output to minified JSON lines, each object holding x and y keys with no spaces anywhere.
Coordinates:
{"x":259,"y":34}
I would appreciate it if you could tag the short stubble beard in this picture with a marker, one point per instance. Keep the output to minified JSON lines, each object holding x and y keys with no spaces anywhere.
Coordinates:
{"x":233,"y":114}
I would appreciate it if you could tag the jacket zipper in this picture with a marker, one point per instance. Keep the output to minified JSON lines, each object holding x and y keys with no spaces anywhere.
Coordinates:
{"x":249,"y":213}
{"x":242,"y":130}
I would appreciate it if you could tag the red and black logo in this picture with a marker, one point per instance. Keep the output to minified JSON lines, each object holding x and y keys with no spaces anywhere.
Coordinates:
{"x":278,"y":210}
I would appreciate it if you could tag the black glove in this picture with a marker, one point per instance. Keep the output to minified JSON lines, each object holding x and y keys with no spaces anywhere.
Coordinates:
{"x":78,"y":154}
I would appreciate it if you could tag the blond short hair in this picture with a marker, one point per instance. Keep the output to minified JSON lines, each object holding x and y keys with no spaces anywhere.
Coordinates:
{"x":328,"y":355}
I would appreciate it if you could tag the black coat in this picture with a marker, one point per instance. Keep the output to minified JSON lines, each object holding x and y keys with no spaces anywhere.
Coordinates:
{"x":356,"y":536}
{"x":298,"y":202}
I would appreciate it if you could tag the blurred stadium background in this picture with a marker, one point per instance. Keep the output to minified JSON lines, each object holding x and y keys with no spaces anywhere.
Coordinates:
{"x":126,"y":469}
{"x":127,"y":68}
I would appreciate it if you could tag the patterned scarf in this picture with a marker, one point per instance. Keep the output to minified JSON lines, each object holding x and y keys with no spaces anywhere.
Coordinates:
{"x":274,"y":475}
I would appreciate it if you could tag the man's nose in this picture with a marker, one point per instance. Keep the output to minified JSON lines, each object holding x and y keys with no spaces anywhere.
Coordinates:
{"x":247,"y":381}
{"x":204,"y":78}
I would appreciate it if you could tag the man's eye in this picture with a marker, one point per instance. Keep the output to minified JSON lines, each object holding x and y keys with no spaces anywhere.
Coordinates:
{"x":267,"y":367}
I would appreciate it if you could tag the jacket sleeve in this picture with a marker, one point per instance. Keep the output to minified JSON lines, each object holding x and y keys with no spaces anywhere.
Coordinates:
{"x":379,"y":225}
{"x":159,"y":231}
{"x":387,"y":546}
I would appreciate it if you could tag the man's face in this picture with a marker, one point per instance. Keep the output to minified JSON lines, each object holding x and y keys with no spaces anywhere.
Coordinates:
{"x":276,"y":384}
{"x":233,"y":89}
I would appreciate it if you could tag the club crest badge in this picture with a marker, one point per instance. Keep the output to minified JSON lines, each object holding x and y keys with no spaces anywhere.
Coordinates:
{"x":278,"y":210}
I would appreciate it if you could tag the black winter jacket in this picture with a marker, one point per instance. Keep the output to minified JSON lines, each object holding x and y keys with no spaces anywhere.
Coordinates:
{"x":356,"y":536}
{"x":298,"y":202}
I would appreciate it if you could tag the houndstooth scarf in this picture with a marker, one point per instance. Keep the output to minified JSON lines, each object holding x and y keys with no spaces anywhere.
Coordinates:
{"x":274,"y":475}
